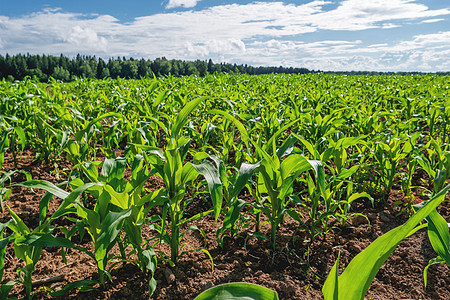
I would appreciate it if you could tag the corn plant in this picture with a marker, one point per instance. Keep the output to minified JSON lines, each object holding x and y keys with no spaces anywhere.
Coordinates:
{"x":102,"y":224}
{"x":10,"y":140}
{"x":79,"y":149}
{"x":276,"y":176}
{"x":168,"y":164}
{"x":28,"y":243}
{"x":4,"y":241}
{"x":354,"y":282}
{"x":436,"y":163}
{"x":316,"y":188}
{"x":386,"y":160}
{"x":230,"y":187}
{"x":438,"y":233}
{"x":118,"y":203}
{"x":4,"y":191}
{"x":128,"y":195}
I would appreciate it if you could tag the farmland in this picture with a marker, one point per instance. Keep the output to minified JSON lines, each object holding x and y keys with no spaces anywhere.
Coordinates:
{"x":171,"y":186}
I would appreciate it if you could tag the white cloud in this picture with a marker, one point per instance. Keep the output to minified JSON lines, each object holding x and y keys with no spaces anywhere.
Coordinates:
{"x":179,"y":3}
{"x":86,"y":37}
{"x":432,"y":20}
{"x":259,"y":33}
{"x":360,"y":15}
{"x":214,"y":46}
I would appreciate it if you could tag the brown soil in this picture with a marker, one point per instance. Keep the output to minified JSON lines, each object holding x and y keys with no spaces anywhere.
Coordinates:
{"x":296,"y":270}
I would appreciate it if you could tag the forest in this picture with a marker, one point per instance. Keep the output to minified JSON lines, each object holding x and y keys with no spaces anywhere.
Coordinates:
{"x":63,"y":68}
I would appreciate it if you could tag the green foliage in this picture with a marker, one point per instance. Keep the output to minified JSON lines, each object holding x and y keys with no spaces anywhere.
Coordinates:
{"x":238,"y":290}
{"x":62,"y":68}
{"x":357,"y":277}
{"x":246,"y":149}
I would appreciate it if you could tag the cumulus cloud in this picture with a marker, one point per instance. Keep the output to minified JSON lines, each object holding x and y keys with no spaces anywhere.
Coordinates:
{"x":214,"y":46}
{"x":179,"y":3}
{"x":87,"y":37}
{"x":259,"y":33}
{"x":360,"y":15}
{"x":426,"y":52}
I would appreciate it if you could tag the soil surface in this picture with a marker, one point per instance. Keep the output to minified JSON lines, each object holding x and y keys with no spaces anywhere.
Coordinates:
{"x":296,"y":270}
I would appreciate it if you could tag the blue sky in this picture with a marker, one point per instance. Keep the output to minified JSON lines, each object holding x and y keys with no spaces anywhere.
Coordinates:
{"x":379,"y":35}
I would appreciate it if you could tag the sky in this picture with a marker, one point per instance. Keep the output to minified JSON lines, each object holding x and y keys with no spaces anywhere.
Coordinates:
{"x":375,"y":35}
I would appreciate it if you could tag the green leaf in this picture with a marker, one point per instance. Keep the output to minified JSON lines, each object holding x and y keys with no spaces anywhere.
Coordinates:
{"x":111,"y":227}
{"x":79,"y":134}
{"x":245,"y":173}
{"x":6,"y":288}
{"x":439,"y":180}
{"x":45,"y":185}
{"x":70,"y":198}
{"x":346,"y":173}
{"x":355,"y":196}
{"x":238,"y":291}
{"x":294,"y":164}
{"x":3,"y":243}
{"x":119,"y":199}
{"x":113,"y":169}
{"x":439,"y":235}
{"x":319,"y":171}
{"x":330,"y":289}
{"x":151,"y":259}
{"x":42,"y":240}
{"x":21,"y":134}
{"x":431,"y":262}
{"x":242,"y":131}
{"x":188,"y":173}
{"x":357,"y":277}
{"x":18,"y":226}
{"x":182,"y":116}
{"x":287,"y":146}
{"x":161,"y":96}
{"x":308,"y":146}
{"x":212,"y":176}
{"x":43,"y":206}
{"x":80,"y":284}
{"x":152,"y":286}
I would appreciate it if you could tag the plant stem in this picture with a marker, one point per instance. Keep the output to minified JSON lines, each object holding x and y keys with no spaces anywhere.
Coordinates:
{"x":175,"y":230}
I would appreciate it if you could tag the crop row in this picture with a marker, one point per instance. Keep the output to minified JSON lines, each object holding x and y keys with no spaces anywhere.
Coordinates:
{"x":305,"y":146}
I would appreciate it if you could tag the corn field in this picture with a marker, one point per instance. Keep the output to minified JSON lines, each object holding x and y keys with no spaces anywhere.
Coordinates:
{"x":249,"y":153}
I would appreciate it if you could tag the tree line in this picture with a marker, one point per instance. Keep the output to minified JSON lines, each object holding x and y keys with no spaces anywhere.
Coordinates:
{"x":17,"y":67}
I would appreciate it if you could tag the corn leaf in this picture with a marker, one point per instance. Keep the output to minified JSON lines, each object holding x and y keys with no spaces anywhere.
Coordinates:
{"x":3,"y":243}
{"x":238,"y":290}
{"x":45,"y":185}
{"x":245,"y":173}
{"x":111,"y":227}
{"x":439,"y":235}
{"x":6,"y":288}
{"x":79,"y":284}
{"x":214,"y":185}
{"x":182,"y":116}
{"x":440,"y":240}
{"x":330,"y":288}
{"x":357,"y":277}
{"x":42,"y":240}
{"x":239,"y":126}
